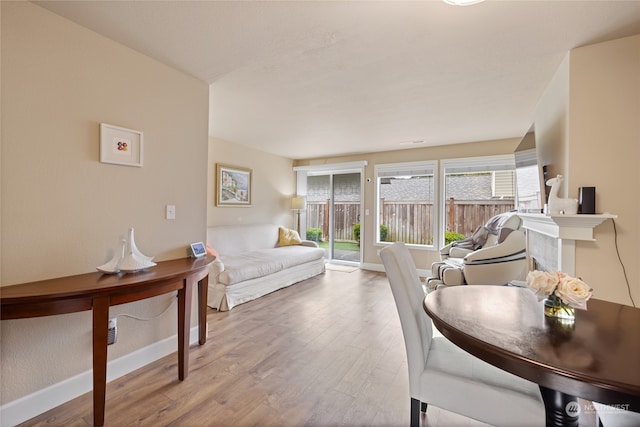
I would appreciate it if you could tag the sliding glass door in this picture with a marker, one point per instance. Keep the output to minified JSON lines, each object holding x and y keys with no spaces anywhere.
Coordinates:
{"x":333,"y":213}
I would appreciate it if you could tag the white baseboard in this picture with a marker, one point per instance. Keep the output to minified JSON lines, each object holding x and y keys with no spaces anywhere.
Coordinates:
{"x":380,"y":267}
{"x":34,"y":404}
{"x":372,"y":267}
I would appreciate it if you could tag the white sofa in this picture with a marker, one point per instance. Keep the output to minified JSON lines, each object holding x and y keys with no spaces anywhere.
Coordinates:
{"x":251,"y":263}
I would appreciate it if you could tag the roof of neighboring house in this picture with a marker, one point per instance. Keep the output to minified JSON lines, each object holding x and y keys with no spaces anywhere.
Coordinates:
{"x":347,"y":188}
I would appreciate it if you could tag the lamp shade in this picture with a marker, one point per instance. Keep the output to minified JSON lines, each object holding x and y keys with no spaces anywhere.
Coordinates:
{"x":298,"y":203}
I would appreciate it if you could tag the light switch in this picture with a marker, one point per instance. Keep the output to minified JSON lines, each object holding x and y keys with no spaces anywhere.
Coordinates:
{"x":171,"y":212}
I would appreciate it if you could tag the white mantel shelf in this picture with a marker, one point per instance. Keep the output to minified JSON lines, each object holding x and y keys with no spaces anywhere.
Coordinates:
{"x":573,"y":227}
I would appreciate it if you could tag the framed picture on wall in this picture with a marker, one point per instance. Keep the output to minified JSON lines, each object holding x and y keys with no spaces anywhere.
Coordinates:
{"x":233,"y":186}
{"x":120,"y":146}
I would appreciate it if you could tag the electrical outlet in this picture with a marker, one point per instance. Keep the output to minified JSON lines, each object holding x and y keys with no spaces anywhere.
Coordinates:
{"x":112,"y":334}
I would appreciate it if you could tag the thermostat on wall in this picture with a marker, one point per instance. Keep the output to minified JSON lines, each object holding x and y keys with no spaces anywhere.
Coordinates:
{"x":197,"y":250}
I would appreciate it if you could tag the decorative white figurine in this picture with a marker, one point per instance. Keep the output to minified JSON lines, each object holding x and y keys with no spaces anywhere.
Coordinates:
{"x":558,"y":205}
{"x":113,"y":266}
{"x":127,"y":258}
{"x":135,"y":249}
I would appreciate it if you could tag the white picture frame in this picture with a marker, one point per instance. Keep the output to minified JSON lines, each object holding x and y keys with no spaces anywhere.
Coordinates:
{"x":120,"y":146}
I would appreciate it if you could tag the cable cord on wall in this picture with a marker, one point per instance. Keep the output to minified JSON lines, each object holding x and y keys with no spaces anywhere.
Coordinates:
{"x":146,"y":319}
{"x":624,"y":271}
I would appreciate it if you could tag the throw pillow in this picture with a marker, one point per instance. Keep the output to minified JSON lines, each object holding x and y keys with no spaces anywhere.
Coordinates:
{"x":211,"y":251}
{"x":289,"y":237}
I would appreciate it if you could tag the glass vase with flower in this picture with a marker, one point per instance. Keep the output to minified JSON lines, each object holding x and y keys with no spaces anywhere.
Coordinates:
{"x":562,"y":294}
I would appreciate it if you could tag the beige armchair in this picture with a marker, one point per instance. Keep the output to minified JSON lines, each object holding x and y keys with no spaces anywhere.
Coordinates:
{"x":494,"y":254}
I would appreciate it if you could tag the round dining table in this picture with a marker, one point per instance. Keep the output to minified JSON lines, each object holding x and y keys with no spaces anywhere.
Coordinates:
{"x":595,"y":357}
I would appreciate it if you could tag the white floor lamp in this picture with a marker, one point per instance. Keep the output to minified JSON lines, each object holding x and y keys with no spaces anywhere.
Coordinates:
{"x":298,"y":204}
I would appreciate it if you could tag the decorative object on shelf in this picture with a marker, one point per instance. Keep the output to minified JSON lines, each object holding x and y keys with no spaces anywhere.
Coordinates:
{"x":134,"y":260}
{"x":120,"y":146}
{"x":112,"y":267}
{"x":127,"y":259}
{"x":196,"y":250}
{"x":558,"y":205}
{"x":233,"y":186}
{"x":562,"y":293}
{"x":587,"y":200}
{"x":135,"y":249}
{"x":554,"y":307}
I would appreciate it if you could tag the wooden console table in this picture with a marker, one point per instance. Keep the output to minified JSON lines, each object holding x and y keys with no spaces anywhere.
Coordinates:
{"x":97,"y":292}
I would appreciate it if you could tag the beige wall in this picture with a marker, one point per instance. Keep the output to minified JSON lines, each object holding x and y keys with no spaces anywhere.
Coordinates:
{"x":588,"y":124}
{"x":62,"y":210}
{"x":552,"y":124}
{"x":604,"y":119}
{"x":422,"y":258}
{"x":272,"y":181}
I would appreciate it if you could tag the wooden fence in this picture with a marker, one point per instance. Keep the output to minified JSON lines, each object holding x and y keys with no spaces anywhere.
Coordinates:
{"x":406,"y":221}
{"x":346,"y":215}
{"x":464,"y":216}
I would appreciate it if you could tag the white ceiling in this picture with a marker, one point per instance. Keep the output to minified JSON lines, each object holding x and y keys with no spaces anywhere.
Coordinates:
{"x":317,"y":78}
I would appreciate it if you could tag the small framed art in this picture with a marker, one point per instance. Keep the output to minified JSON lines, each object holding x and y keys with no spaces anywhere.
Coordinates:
{"x":233,"y":186}
{"x":120,"y":146}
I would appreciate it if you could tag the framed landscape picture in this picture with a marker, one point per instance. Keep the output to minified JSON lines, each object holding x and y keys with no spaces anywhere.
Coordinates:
{"x":233,"y":186}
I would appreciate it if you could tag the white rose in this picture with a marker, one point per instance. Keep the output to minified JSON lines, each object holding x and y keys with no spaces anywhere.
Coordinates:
{"x":573,"y":292}
{"x":542,"y":283}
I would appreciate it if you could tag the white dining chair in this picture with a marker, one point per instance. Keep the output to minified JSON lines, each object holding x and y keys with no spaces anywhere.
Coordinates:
{"x":610,"y":416}
{"x":442,"y":374}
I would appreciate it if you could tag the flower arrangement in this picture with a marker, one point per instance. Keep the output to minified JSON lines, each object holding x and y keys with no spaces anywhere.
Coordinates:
{"x":563,"y":293}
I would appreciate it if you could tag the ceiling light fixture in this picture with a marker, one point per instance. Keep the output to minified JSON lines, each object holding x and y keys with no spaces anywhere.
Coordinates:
{"x":418,"y":141}
{"x":462,"y":2}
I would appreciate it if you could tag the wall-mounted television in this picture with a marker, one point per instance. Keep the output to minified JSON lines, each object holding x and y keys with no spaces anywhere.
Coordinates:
{"x":531,"y":194}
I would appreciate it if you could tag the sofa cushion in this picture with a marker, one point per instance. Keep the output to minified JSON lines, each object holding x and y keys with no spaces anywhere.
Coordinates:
{"x":238,"y":239}
{"x":251,"y":265}
{"x":296,"y":255}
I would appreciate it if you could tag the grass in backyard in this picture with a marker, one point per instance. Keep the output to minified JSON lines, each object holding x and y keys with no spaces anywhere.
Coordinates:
{"x":341,"y":246}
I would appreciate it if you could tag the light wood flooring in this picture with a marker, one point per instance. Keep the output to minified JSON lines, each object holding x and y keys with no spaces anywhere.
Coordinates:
{"x":324,"y":352}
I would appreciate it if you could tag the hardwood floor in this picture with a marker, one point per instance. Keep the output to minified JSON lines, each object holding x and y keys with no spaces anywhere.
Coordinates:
{"x":324,"y":352}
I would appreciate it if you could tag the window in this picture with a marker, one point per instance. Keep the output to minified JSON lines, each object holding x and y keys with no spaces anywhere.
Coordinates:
{"x":475,"y":189}
{"x":405,"y":210}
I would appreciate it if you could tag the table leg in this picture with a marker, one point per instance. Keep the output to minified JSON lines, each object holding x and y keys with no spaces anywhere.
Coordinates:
{"x":184,"y":320}
{"x":203,"y":287}
{"x":100,"y":332}
{"x":561,"y":409}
